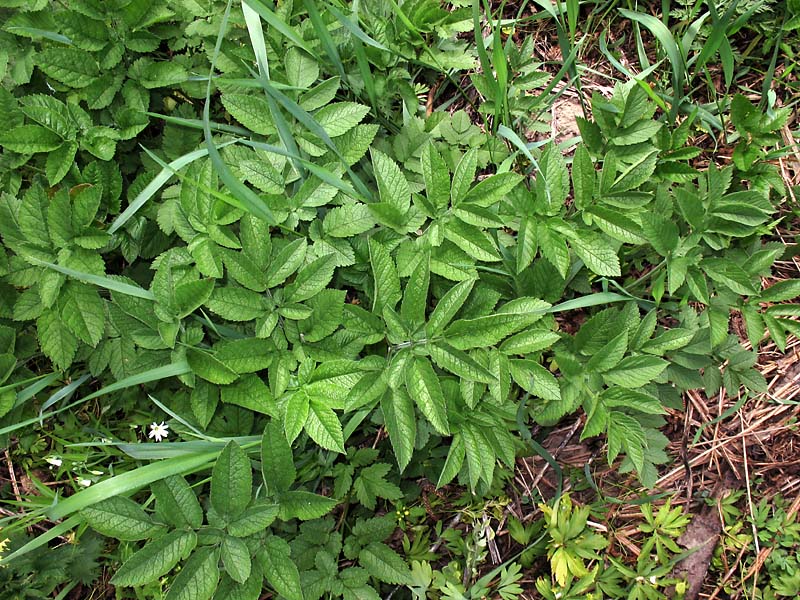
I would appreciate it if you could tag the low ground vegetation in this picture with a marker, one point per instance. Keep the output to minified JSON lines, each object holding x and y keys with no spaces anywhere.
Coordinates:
{"x":312,"y":299}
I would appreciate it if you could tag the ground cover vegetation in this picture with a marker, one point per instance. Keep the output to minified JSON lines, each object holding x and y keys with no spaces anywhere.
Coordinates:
{"x":297,"y":298}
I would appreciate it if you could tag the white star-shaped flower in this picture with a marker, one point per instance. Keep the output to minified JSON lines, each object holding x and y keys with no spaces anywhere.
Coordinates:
{"x":159,"y":431}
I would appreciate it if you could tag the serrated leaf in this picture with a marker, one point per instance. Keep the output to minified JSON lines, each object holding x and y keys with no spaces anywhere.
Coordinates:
{"x":463,"y":176}
{"x":596,"y":253}
{"x":231,"y":482}
{"x":59,"y":162}
{"x":472,"y":240}
{"x":392,"y":184}
{"x":83,"y":312}
{"x":192,"y":295}
{"x":279,"y":569}
{"x":251,"y":111}
{"x":635,"y":371}
{"x":311,"y":279}
{"x":236,"y":304}
{"x":120,"y":518}
{"x":424,"y":388}
{"x":255,"y":519}
{"x":235,"y":558}
{"x":454,"y":461}
{"x":277,"y":461}
{"x":323,"y":426}
{"x":449,"y":304}
{"x":297,"y":409}
{"x":286,"y":262}
{"x":299,"y":504}
{"x":459,"y":363}
{"x":401,"y":424}
{"x":348,"y":220}
{"x":340,"y":117}
{"x":70,"y":66}
{"x":30,"y":139}
{"x":251,"y":393}
{"x":583,"y":176}
{"x":387,"y":282}
{"x":209,"y":368}
{"x":155,"y":559}
{"x":371,"y":484}
{"x":384,"y":564}
{"x":176,"y":501}
{"x":56,"y":340}
{"x":437,"y":178}
{"x":199,"y":577}
{"x":491,"y":190}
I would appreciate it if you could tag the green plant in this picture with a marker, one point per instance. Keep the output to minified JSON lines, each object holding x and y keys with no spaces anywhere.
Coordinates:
{"x":321,"y":294}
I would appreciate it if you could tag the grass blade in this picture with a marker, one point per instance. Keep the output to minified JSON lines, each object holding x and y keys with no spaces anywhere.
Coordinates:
{"x":152,"y":188}
{"x":98,"y":280}
{"x":273,"y":20}
{"x":665,"y":38}
{"x":249,"y":199}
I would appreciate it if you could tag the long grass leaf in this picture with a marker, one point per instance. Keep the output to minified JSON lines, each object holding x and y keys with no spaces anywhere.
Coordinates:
{"x":98,"y":280}
{"x":158,"y":373}
{"x":129,"y":482}
{"x":152,"y":188}
{"x":259,"y":44}
{"x":273,"y":20}
{"x":249,"y":199}
{"x":325,"y":37}
{"x":665,"y":38}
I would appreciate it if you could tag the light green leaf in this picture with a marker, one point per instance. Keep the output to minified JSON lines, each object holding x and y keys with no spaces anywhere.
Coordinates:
{"x":596,"y":253}
{"x":472,"y":240}
{"x":235,"y":558}
{"x":340,"y":117}
{"x":401,"y":424}
{"x":323,"y":426}
{"x":299,"y":504}
{"x":236,"y":304}
{"x":255,"y":519}
{"x":297,"y":409}
{"x":635,"y":371}
{"x":348,"y":220}
{"x":83,"y":312}
{"x":311,"y":279}
{"x":70,"y":66}
{"x":252,"y":111}
{"x":251,"y":393}
{"x":423,"y":387}
{"x":448,"y":306}
{"x":387,"y":282}
{"x":437,"y":178}
{"x":286,"y":262}
{"x":392,"y":184}
{"x":56,"y":340}
{"x":29,"y":139}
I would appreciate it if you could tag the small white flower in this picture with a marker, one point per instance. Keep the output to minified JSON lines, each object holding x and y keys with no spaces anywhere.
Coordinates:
{"x":85,"y":482}
{"x":53,"y":460}
{"x":653,"y":579}
{"x":159,"y":431}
